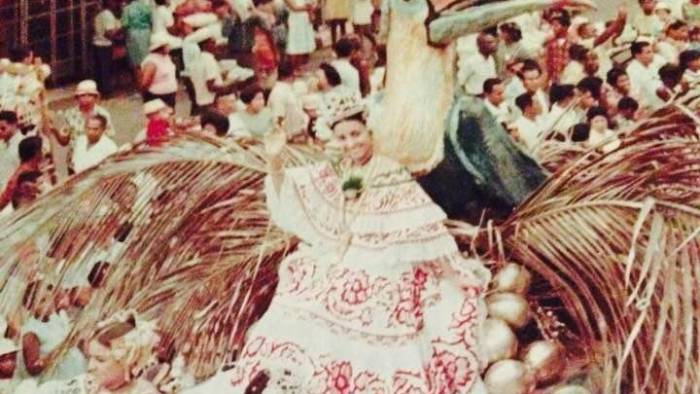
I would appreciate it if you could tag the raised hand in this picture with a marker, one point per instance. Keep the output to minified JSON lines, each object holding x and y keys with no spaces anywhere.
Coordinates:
{"x":275,"y":142}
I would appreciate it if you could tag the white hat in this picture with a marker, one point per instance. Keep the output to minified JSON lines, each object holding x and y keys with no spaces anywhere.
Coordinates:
{"x":7,"y":346}
{"x":158,"y":40}
{"x":153,"y":106}
{"x":343,"y":106}
{"x":87,"y":86}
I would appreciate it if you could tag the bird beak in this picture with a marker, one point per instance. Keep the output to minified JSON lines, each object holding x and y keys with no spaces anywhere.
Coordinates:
{"x":459,"y":18}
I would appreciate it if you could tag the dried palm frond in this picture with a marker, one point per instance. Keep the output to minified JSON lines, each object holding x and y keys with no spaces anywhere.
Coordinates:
{"x":615,"y":241}
{"x":198,"y":252}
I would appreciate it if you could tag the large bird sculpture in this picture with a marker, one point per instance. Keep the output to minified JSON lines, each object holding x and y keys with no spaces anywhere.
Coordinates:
{"x":613,"y":240}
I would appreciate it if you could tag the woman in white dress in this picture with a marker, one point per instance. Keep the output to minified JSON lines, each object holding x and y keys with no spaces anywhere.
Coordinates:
{"x":377,"y":299}
{"x":301,"y":38}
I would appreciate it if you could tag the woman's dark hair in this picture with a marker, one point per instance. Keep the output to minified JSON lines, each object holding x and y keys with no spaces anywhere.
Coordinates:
{"x":512,"y":30}
{"x":688,"y":56}
{"x":220,"y":122}
{"x":596,"y":111}
{"x":524,"y":101}
{"x":331,"y":74}
{"x":578,"y":52}
{"x":580,"y":132}
{"x":249,"y":93}
{"x":559,"y":93}
{"x":627,"y":103}
{"x":614,"y":75}
{"x":490,"y":83}
{"x":638,"y":46}
{"x":161,"y":2}
{"x":671,"y":75}
{"x":29,"y":148}
{"x":592,"y":85}
{"x":358,"y":117}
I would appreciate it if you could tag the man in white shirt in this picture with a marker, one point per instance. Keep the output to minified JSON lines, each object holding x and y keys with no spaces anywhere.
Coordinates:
{"x":647,"y":23}
{"x":643,"y":72}
{"x":107,"y":27}
{"x":206,"y":75}
{"x":675,"y":41}
{"x":227,"y":105}
{"x":527,"y":130}
{"x":9,"y":146}
{"x":494,"y":100}
{"x":93,"y":146}
{"x":349,"y":75}
{"x":531,"y":77}
{"x":562,"y":116}
{"x":287,"y":108}
{"x":476,"y":68}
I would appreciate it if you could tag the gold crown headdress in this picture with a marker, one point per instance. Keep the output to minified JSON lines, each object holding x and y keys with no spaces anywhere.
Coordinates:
{"x":345,"y":105}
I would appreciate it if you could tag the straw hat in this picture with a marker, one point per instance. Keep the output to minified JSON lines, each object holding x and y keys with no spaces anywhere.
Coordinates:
{"x":159,"y":40}
{"x":87,"y":86}
{"x":154,"y":106}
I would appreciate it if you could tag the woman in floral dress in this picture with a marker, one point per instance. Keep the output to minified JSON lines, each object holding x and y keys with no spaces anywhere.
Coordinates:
{"x":377,"y":299}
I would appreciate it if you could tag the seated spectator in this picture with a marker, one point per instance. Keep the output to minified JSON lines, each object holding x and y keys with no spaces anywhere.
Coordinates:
{"x":494,"y":100}
{"x":627,"y":113}
{"x":511,"y":46}
{"x":227,"y":105}
{"x":672,"y":82}
{"x":643,"y":73}
{"x":87,"y":99}
{"x":589,"y":91}
{"x":690,"y":63}
{"x":562,"y":116}
{"x":675,"y":41}
{"x":618,"y":86}
{"x":158,"y":123}
{"x":257,"y":116}
{"x":527,"y":130}
{"x":532,"y":80}
{"x":92,"y":147}
{"x":215,"y":123}
{"x":349,"y":75}
{"x":287,"y":108}
{"x":574,"y":70}
{"x":600,"y":130}
{"x":476,"y":68}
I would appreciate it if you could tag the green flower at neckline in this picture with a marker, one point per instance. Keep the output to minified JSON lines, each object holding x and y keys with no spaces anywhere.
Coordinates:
{"x":353,"y":183}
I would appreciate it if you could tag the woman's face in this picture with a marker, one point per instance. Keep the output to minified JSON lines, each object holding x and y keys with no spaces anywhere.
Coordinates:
{"x":322,"y":81}
{"x":599,"y":123}
{"x":258,"y":102}
{"x":623,"y":84}
{"x":355,"y":140}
